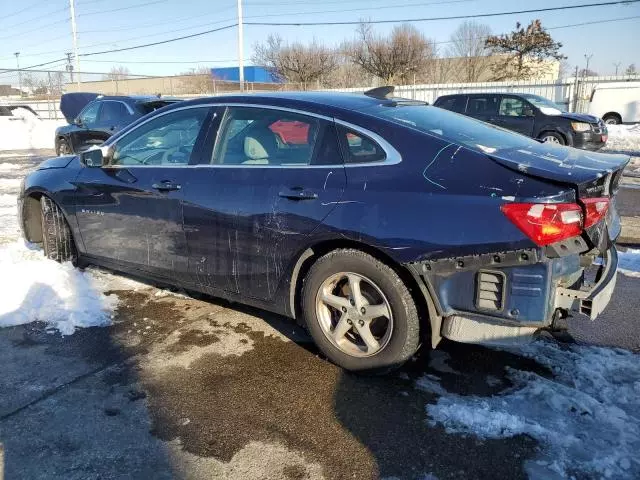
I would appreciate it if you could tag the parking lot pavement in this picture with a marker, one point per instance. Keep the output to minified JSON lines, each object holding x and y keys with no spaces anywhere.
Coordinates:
{"x":188,"y":388}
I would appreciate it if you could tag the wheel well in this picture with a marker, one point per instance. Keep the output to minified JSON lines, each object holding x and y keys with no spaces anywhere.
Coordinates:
{"x":31,"y":218}
{"x":309,"y":257}
{"x":555,"y":132}
{"x":612,"y":114}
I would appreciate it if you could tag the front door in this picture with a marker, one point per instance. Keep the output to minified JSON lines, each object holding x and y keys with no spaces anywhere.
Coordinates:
{"x":483,"y":107}
{"x":130,"y":211}
{"x":274,"y":176}
{"x":516,"y":114}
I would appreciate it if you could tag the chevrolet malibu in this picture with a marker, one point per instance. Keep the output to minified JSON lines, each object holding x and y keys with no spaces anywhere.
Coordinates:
{"x":376,"y":222}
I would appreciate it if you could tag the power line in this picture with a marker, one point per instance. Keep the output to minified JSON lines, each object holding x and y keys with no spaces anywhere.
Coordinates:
{"x":18,"y":12}
{"x":167,"y":62}
{"x":161,"y":42}
{"x":100,"y":12}
{"x":456,"y":17}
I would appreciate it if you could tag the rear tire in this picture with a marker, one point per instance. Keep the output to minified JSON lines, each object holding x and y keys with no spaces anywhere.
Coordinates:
{"x":63,"y":147}
{"x":552,"y":138}
{"x":380,"y":321}
{"x":57,"y":241}
{"x":612,"y":119}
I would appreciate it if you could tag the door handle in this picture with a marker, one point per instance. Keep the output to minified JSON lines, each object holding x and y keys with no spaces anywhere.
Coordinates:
{"x":298,"y":194}
{"x":166,"y":186}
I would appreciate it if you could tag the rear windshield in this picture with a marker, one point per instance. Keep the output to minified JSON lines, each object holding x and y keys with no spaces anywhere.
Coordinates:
{"x":453,"y":127}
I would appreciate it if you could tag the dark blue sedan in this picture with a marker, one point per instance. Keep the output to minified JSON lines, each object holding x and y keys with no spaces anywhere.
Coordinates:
{"x":378,"y":223}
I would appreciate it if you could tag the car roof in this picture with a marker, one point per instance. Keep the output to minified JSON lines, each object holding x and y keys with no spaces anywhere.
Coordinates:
{"x":137,"y":98}
{"x":319,"y":102}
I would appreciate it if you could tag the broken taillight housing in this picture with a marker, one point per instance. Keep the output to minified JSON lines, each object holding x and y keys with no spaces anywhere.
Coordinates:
{"x":596,"y":209}
{"x":545,"y":223}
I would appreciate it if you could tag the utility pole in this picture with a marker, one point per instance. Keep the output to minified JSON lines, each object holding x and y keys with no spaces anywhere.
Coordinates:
{"x":617,"y":65}
{"x":17,"y":54}
{"x":588,"y":57}
{"x":240,"y":47}
{"x":74,"y":32}
{"x":69,"y":66}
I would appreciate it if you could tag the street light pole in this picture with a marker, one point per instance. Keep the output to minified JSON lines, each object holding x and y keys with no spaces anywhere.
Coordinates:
{"x":588,"y":57}
{"x":240,"y":47}
{"x":17,"y":54}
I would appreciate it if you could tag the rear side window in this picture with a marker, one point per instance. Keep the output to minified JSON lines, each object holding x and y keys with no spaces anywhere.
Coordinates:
{"x":359,"y":148}
{"x":455,"y":104}
{"x":264,"y":136}
{"x":485,"y":105}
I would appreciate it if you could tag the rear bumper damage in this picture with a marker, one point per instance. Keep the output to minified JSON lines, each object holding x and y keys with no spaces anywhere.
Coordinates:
{"x":530,"y":300}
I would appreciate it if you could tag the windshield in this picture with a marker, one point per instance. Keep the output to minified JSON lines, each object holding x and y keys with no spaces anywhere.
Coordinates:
{"x":453,"y":127}
{"x":542,"y":102}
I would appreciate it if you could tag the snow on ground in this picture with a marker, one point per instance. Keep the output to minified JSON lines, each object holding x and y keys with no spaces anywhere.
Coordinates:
{"x":629,"y":263}
{"x":586,"y":417}
{"x":34,"y":288}
{"x":624,"y":139}
{"x":27,"y":132}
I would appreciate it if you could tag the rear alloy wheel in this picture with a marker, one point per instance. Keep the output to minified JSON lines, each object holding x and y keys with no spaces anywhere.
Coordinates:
{"x":551,"y":137}
{"x":57,"y":241}
{"x":63,"y":147}
{"x":359,"y":312}
{"x":612,"y":119}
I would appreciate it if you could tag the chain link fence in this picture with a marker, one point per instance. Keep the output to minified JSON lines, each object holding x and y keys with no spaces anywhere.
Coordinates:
{"x":41,"y":89}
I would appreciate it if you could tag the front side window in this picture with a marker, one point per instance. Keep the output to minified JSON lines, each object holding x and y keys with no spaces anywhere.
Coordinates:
{"x":90,"y":114}
{"x":512,"y":107}
{"x":455,"y":104}
{"x":113,"y":112}
{"x":262,"y":136}
{"x":166,"y":140}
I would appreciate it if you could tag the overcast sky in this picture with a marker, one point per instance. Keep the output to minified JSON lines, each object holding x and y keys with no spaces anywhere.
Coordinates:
{"x":40,"y":29}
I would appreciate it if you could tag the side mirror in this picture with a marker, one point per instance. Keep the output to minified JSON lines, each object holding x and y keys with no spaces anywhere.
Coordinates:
{"x":93,"y":158}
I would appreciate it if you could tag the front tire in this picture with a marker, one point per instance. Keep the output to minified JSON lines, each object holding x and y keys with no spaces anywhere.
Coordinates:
{"x":553,"y":138}
{"x":612,"y":119}
{"x":57,"y":241}
{"x":359,"y":312}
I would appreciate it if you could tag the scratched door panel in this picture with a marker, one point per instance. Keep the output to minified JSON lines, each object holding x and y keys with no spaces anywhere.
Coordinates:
{"x":123,"y":218}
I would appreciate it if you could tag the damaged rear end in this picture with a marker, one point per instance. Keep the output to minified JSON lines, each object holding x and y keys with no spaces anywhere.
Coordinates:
{"x":569,"y":268}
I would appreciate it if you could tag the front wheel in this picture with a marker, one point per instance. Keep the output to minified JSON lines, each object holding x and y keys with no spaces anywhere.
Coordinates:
{"x":553,"y":138}
{"x":63,"y":147}
{"x":359,"y":312}
{"x":57,"y":241}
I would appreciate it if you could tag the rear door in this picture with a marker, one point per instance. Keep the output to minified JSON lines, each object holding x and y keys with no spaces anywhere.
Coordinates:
{"x":130,"y":211}
{"x":274,"y":176}
{"x":483,"y":107}
{"x":515,"y":114}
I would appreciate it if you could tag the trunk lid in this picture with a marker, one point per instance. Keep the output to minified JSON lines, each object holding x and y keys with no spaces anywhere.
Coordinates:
{"x":591,"y":174}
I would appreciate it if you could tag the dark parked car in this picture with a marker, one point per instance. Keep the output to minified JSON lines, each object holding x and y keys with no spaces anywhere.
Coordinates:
{"x":94,"y":118}
{"x":387,"y":224}
{"x":530,"y":115}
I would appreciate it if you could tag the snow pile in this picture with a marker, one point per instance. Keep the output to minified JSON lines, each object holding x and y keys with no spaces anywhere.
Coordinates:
{"x":624,"y":139}
{"x":587,"y":417}
{"x":27,"y":132}
{"x":629,"y":263}
{"x":34,"y":288}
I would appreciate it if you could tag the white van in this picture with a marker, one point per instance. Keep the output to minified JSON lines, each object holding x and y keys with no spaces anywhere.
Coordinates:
{"x":616,"y":102}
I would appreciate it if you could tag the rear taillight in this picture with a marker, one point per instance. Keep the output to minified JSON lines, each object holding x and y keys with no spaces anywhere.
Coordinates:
{"x":545,"y":223}
{"x":596,"y":209}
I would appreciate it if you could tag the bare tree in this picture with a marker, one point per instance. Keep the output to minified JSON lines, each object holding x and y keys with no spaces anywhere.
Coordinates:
{"x":468,"y":44}
{"x":118,"y":72}
{"x":198,"y":80}
{"x":565,"y":69}
{"x":524,"y":52}
{"x":296,"y":62}
{"x":398,"y":57}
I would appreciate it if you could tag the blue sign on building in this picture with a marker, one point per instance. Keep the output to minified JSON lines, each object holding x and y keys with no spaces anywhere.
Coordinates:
{"x":252,"y":73}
